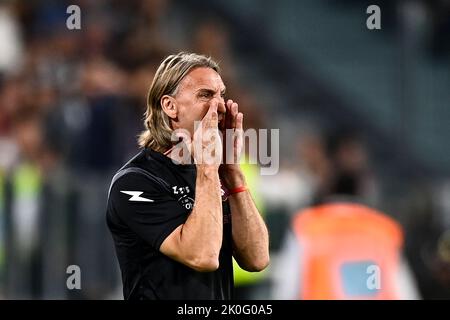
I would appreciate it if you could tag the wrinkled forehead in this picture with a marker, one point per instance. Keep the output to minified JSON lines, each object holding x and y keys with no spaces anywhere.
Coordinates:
{"x":202,"y":78}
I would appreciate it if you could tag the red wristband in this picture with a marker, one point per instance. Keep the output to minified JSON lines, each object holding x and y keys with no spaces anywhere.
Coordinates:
{"x":237,"y":190}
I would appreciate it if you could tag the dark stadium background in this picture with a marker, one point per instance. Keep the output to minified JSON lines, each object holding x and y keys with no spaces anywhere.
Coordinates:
{"x":71,"y":105}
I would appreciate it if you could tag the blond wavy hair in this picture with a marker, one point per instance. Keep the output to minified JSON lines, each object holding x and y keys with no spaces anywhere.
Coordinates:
{"x":172,"y":70}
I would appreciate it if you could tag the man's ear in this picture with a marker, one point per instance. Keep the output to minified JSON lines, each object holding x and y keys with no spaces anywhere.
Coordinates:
{"x":169,"y":106}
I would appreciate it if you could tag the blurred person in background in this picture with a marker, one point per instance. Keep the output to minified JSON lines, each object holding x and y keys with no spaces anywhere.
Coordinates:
{"x":35,"y":189}
{"x":341,"y":248}
{"x":11,"y":55}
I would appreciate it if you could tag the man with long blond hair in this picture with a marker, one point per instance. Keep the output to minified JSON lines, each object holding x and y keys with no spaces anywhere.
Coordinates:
{"x":180,"y":210}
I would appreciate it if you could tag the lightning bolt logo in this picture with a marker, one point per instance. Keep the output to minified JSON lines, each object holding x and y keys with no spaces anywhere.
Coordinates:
{"x":135,"y":196}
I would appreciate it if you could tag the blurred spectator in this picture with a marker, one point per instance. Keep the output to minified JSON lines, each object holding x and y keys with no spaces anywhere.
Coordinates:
{"x":25,"y":182}
{"x":12,"y":46}
{"x":339,"y":246}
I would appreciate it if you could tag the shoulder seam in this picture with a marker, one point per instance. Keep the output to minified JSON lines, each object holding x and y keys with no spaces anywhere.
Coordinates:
{"x":140,"y":171}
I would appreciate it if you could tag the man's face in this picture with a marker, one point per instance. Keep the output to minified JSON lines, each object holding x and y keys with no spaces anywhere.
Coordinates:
{"x":197,"y":91}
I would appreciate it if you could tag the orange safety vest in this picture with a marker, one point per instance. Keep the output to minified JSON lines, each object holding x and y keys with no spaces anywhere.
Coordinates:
{"x":341,"y":242}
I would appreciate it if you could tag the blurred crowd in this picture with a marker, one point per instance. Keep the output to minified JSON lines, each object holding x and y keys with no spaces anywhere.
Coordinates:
{"x":71,"y":107}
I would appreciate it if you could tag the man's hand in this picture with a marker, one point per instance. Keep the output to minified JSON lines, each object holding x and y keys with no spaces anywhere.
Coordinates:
{"x":207,"y":145}
{"x":197,"y":242}
{"x":250,"y":236}
{"x":232,"y":130}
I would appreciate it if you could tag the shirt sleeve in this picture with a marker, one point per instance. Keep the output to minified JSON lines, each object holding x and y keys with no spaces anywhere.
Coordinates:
{"x":146,"y":207}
